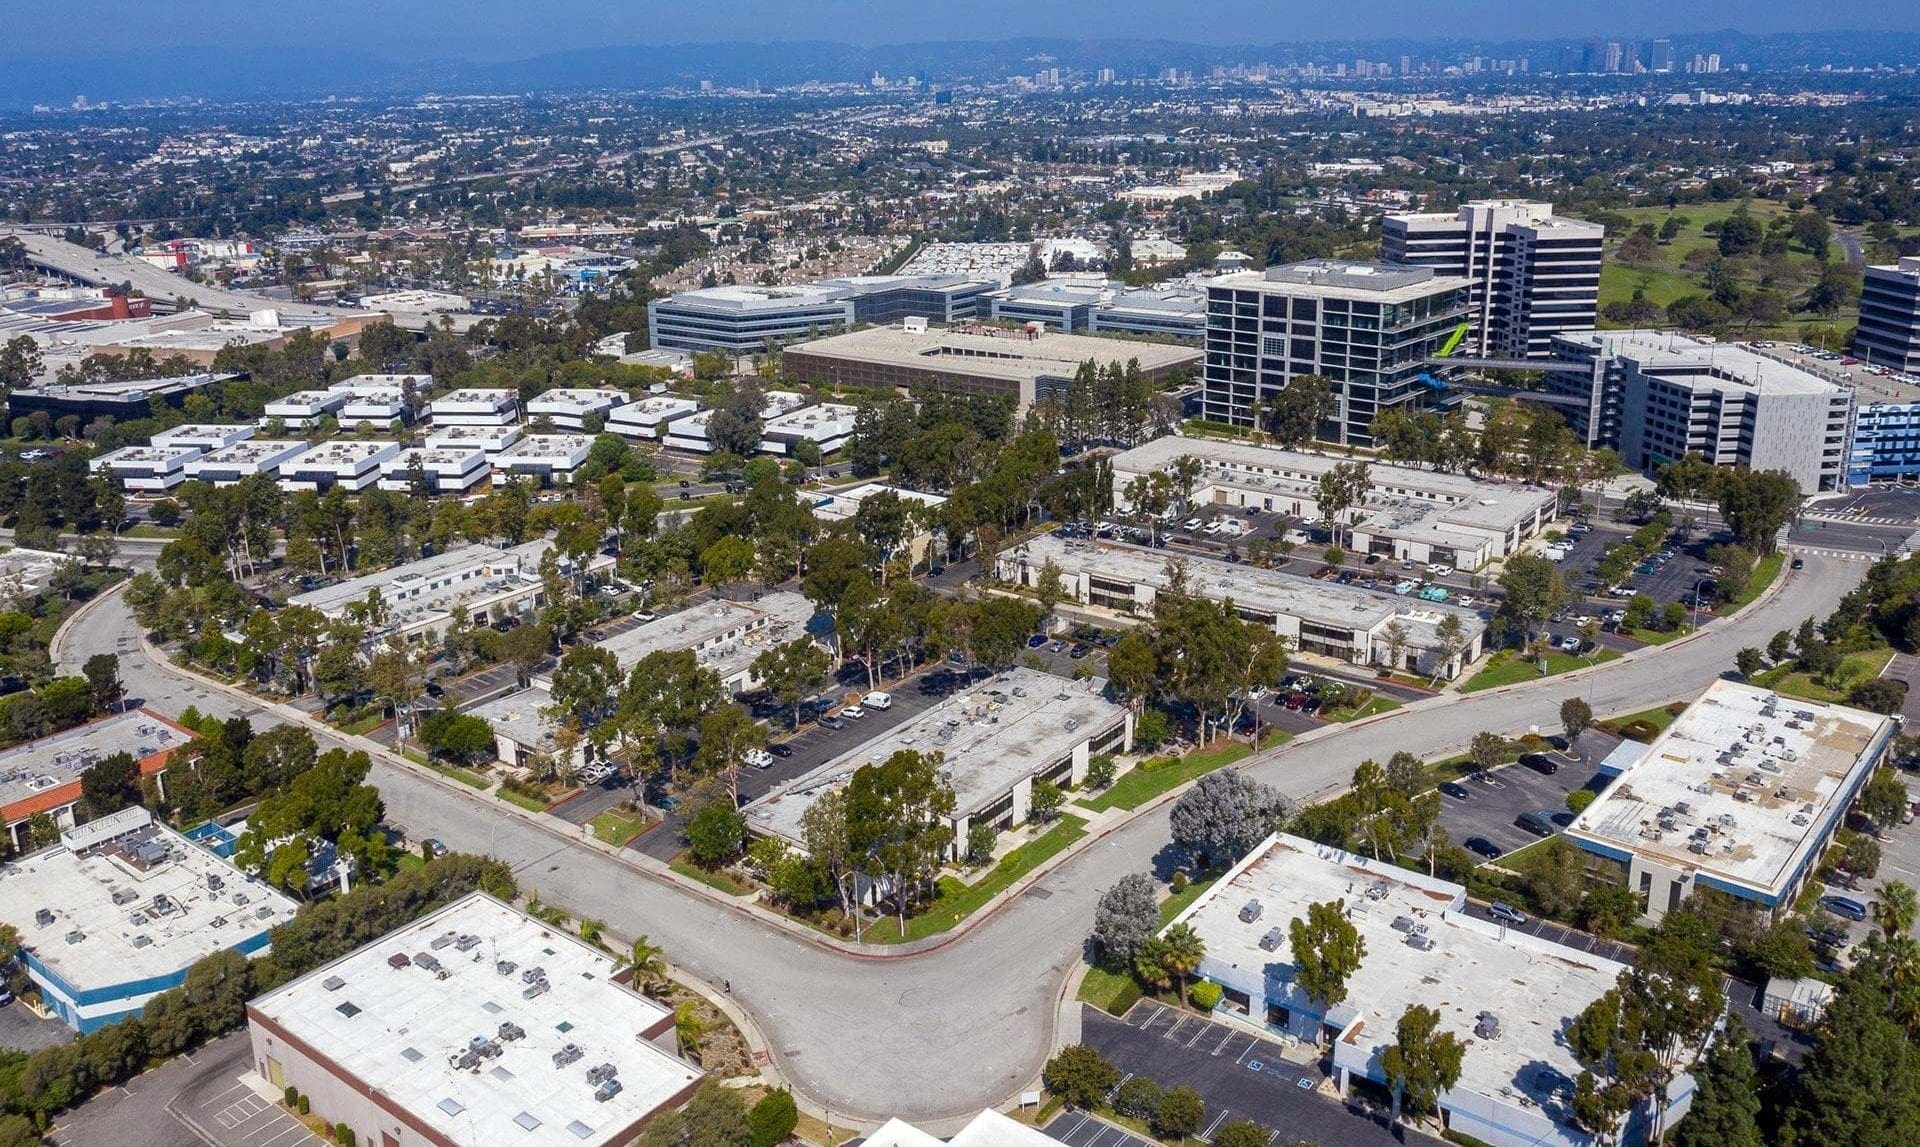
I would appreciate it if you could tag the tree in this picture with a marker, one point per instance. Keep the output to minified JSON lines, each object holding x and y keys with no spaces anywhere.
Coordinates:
{"x":102,"y":671}
{"x":1139,"y":1097}
{"x":896,"y":823}
{"x":460,"y":736}
{"x":1749,"y":662}
{"x":586,"y":687}
{"x":1884,"y":798}
{"x":1224,"y":815}
{"x":111,"y":784}
{"x":716,"y":832}
{"x":1126,"y":917}
{"x":1740,"y":234}
{"x":1422,"y":1061}
{"x":1756,"y":504}
{"x":1180,"y":1114}
{"x":1300,"y":408}
{"x":1895,"y":908}
{"x":1726,"y":1100}
{"x":727,"y":735}
{"x":1079,"y":1076}
{"x":773,"y":1118}
{"x":1327,"y":950}
{"x":1534,"y":589}
{"x":1488,"y":750}
{"x":1181,"y":951}
{"x":1780,"y":647}
{"x":1241,"y":1133}
{"x":1341,"y":489}
{"x":792,"y":670}
{"x":1576,"y":717}
{"x":1879,"y":695}
{"x":649,"y":962}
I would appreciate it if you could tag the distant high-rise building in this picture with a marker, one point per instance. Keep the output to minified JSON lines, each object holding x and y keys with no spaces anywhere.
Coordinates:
{"x":1106,"y":75}
{"x":1616,"y":56}
{"x":1660,"y":56}
{"x":1406,"y":65}
{"x":1593,"y":57}
{"x":1532,"y":273}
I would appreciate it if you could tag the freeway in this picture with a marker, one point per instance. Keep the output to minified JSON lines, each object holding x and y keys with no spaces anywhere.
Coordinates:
{"x":940,"y":1034}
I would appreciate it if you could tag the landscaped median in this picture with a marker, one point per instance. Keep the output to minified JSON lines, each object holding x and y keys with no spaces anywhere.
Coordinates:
{"x":957,"y":900}
{"x":1508,"y":667}
{"x":1157,"y":776}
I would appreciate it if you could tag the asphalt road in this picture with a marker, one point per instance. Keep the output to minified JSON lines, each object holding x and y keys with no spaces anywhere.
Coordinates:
{"x":943,"y":1033}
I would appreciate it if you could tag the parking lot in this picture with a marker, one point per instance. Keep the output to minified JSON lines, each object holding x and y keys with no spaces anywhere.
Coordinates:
{"x":1239,"y":1075}
{"x":1492,"y":806}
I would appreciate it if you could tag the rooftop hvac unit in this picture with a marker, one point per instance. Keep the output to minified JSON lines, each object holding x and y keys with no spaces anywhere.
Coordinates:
{"x":1487,"y":1026}
{"x":567,"y":1054}
{"x":1250,"y":911}
{"x":1271,"y":941}
{"x":1420,"y":942}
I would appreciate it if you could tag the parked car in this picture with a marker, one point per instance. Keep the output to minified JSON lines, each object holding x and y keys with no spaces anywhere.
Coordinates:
{"x":1580,"y":528}
{"x":1538,"y":823}
{"x":1080,"y":649}
{"x":1406,"y":587}
{"x":1845,"y":906}
{"x":831,"y":721}
{"x":1799,"y":563}
{"x":1433,"y":593}
{"x":878,"y":699}
{"x":760,"y":759}
{"x":780,"y":749}
{"x":1439,"y":569}
{"x":1456,"y":791}
{"x":853,"y":712}
{"x":1057,"y":647}
{"x":1481,"y":846}
{"x":1192,"y":524}
{"x":433,"y":847}
{"x":1570,"y":644}
{"x":1506,"y":913}
{"x":1036,"y":641}
{"x":1540,"y":763}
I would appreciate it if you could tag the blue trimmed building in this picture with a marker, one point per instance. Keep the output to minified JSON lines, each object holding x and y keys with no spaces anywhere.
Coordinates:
{"x":122,"y":908}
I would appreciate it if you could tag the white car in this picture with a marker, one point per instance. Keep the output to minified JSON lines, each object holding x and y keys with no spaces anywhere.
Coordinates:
{"x":1467,"y":600}
{"x":1192,"y":524}
{"x":1583,"y":621}
{"x":878,"y":699}
{"x":760,"y":759}
{"x":1257,"y":692}
{"x":1439,"y":569}
{"x":1213,"y":527}
{"x":853,"y":712}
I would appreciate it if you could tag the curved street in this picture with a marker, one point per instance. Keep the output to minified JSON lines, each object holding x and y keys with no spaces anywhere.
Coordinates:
{"x":944,"y":1033}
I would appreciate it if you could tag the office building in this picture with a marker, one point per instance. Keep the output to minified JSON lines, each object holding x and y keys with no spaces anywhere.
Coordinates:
{"x":121,"y":908}
{"x":491,"y":439}
{"x":120,"y":401}
{"x":146,"y":469}
{"x":724,"y":636}
{"x":1424,"y":515}
{"x":1889,"y":331}
{"x":473,"y":1026}
{"x":1343,"y":622}
{"x":548,"y":459}
{"x":745,"y":319}
{"x":43,"y":775}
{"x":202,"y":436}
{"x":440,"y":469}
{"x":828,"y":425}
{"x":1370,"y":328}
{"x":1740,"y":795}
{"x":523,"y":731}
{"x":1507,"y":994}
{"x":648,"y":418}
{"x":378,"y":407}
{"x":883,"y":299}
{"x":995,"y":740}
{"x":1020,"y":365}
{"x":1531,"y":274}
{"x":303,"y":409}
{"x":690,"y":432}
{"x":843,"y":505}
{"x":1666,"y":395}
{"x":419,"y":597}
{"x":1884,"y":445}
{"x":348,"y":463}
{"x":243,"y":460}
{"x":570,"y":409}
{"x":1066,"y":307}
{"x":475,"y":407}
{"x":1660,"y":56}
{"x":1155,"y":312}
{"x":26,"y":571}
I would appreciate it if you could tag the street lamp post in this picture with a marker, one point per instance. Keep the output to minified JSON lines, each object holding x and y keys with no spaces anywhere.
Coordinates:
{"x":1695,"y":603}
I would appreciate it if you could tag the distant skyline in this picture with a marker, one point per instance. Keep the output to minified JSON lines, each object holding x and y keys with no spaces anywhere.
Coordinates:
{"x":514,"y":29}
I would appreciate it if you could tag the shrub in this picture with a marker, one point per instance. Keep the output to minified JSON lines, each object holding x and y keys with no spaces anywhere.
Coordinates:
{"x":1206,"y":995}
{"x":291,"y":1095}
{"x":1100,"y":771}
{"x":1579,"y":799}
{"x":1179,"y":882}
{"x":1139,"y":1097}
{"x":305,"y":1105}
{"x":343,"y":1135}
{"x":773,"y":1119}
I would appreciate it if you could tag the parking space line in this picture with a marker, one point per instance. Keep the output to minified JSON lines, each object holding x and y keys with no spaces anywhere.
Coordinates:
{"x":1214,"y":1126}
{"x":292,"y":1129}
{"x":1251,"y":1044}
{"x":1203,"y":1033}
{"x":1172,"y":1032}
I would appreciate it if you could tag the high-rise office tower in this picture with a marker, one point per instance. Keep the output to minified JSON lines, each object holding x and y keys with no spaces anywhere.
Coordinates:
{"x":1889,"y":330}
{"x":1371,"y":329}
{"x":1660,"y":56}
{"x":1532,"y":273}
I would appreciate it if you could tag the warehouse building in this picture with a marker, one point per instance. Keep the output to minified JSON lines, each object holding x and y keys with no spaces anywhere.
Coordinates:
{"x":1741,"y":795}
{"x":1423,"y":515}
{"x":549,"y":459}
{"x":1021,"y":365}
{"x":994,"y":740}
{"x":569,"y":409}
{"x":442,"y":469}
{"x":242,"y":460}
{"x":473,"y":1026}
{"x":1343,"y":622}
{"x":350,"y":464}
{"x":121,"y":908}
{"x":1504,"y":992}
{"x":146,"y":469}
{"x":648,"y":418}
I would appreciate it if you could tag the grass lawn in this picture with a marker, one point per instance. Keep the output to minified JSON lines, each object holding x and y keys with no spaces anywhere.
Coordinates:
{"x":363,"y":726}
{"x":617,"y":827}
{"x":1178,"y":902}
{"x":1150,"y":778}
{"x":1531,"y":858}
{"x":409,"y":861}
{"x":148,"y":530}
{"x":1115,"y":990}
{"x":1372,"y":708}
{"x":958,"y":901}
{"x":1856,"y":668}
{"x":1507,"y":669}
{"x":1765,"y":572}
{"x":719,"y":880}
{"x":532,"y":804}
{"x":1645,"y":725}
{"x":1658,"y":636}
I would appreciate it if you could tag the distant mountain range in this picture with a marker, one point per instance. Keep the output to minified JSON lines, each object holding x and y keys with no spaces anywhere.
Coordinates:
{"x":232,"y":72}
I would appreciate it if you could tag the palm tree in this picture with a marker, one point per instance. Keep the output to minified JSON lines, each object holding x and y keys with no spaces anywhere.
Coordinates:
{"x":1150,"y":964}
{"x":1181,"y":953}
{"x":1896,"y":908}
{"x":649,"y":962}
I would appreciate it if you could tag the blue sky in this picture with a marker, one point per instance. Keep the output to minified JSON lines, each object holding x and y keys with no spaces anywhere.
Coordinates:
{"x":503,"y":29}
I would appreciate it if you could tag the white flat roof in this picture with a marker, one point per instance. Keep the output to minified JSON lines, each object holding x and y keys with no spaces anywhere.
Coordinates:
{"x":838,"y":505}
{"x":1754,"y":776}
{"x":1723,"y":366}
{"x":987,"y":1129}
{"x":403,"y":1029}
{"x":487,"y":436}
{"x":520,"y":716}
{"x":991,"y":736}
{"x":566,"y":449}
{"x":771,"y":620}
{"x":575,"y":401}
{"x":438,"y":582}
{"x":143,"y":904}
{"x":145,"y":456}
{"x":1534,"y":986}
{"x":59,"y":758}
{"x":999,"y":354}
{"x":653,"y":410}
{"x":260,"y":452}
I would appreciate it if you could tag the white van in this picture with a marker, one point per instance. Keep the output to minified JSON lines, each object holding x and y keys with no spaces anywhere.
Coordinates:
{"x":877,"y":700}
